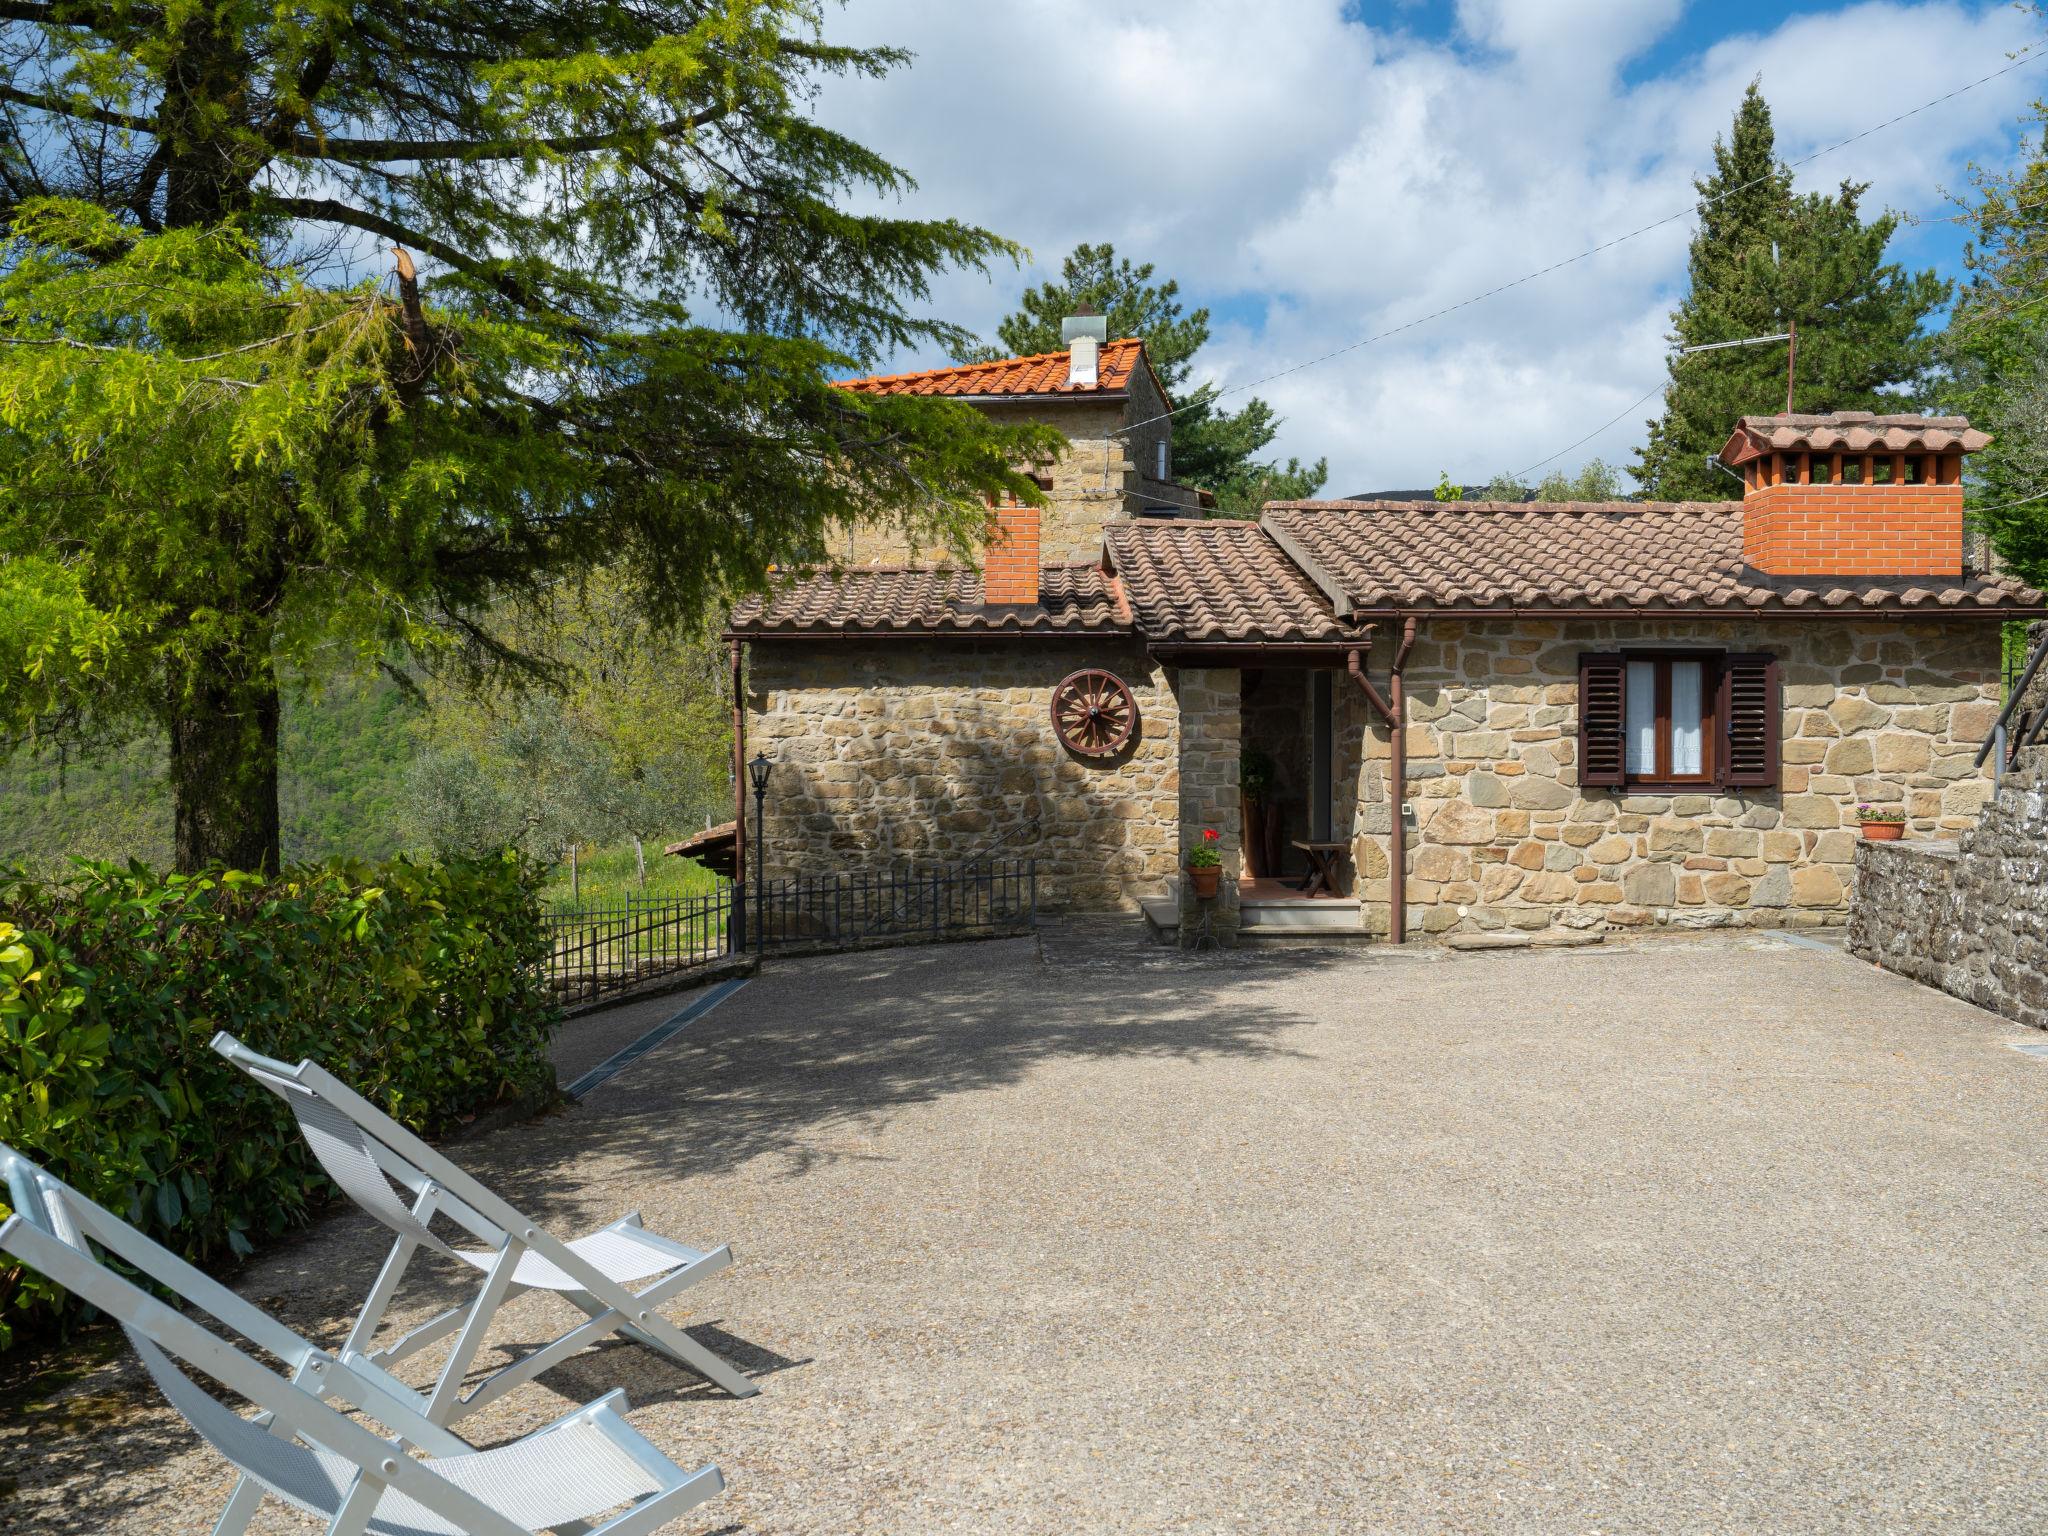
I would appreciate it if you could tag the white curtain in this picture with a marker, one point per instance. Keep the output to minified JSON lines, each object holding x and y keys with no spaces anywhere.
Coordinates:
{"x":1642,"y":717}
{"x":1688,"y":682}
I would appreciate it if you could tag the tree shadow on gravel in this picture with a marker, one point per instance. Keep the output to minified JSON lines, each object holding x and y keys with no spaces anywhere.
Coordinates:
{"x":810,"y":1051}
{"x":814,"y":1050}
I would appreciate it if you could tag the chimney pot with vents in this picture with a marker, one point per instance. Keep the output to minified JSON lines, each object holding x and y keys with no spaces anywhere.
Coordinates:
{"x":1852,"y":493}
{"x":1084,"y":332}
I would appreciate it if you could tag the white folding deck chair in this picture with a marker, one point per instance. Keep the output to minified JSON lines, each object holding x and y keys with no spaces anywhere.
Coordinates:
{"x":365,"y":1152}
{"x":311,"y":1455}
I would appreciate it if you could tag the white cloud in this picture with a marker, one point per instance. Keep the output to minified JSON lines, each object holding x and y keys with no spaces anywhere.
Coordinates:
{"x":1346,"y":179}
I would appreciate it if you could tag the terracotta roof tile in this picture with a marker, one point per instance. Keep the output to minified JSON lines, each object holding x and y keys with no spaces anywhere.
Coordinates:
{"x":1214,"y":579}
{"x":1852,"y":432}
{"x":1594,"y":555}
{"x":899,"y":600}
{"x":1044,"y":374}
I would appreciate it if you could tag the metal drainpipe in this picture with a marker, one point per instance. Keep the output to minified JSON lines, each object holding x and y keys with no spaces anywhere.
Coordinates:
{"x":1394,"y":713}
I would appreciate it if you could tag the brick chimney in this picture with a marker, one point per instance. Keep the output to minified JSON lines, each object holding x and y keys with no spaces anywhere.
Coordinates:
{"x":1852,"y":494}
{"x":1084,"y":332}
{"x":1009,"y":572}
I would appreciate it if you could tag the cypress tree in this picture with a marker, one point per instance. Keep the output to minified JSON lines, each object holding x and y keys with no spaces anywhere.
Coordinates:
{"x":1764,"y":259}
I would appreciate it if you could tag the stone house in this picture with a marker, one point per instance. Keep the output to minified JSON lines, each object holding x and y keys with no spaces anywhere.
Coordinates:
{"x":1104,"y":398}
{"x":1506,"y":719}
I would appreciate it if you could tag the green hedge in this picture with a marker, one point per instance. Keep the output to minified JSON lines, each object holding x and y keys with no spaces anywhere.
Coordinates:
{"x":417,"y":983}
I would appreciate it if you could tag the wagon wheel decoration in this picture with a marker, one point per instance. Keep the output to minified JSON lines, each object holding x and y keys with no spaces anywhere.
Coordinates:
{"x":1093,"y":713}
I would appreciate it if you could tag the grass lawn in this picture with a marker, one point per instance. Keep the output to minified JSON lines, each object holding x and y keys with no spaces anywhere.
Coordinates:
{"x":607,"y":874}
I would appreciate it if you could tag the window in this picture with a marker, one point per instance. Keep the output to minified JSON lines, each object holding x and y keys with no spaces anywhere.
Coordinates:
{"x":1162,"y":460}
{"x":1668,"y":719}
{"x":1678,"y":719}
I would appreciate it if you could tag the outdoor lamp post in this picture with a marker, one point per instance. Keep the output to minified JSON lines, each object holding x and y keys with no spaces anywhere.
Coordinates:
{"x":758,"y":771}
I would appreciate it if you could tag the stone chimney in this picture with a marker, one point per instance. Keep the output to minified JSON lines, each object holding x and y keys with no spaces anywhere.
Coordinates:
{"x":1084,"y":332}
{"x":1852,"y":494}
{"x":1009,"y":571}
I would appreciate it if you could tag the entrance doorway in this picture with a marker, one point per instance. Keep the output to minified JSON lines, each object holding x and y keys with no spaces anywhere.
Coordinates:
{"x":1289,"y":771}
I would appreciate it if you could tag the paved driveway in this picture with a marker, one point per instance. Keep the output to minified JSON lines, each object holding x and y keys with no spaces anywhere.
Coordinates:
{"x":1727,"y":1234}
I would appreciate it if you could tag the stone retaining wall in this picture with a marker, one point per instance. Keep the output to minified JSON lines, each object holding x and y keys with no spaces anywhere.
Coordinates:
{"x":1969,"y":916}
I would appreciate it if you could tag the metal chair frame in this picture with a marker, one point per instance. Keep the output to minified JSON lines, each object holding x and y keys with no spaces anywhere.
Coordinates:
{"x":50,"y":1231}
{"x":440,"y":1188}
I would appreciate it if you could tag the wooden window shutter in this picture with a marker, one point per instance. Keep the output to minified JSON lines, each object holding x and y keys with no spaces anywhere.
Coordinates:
{"x":1751,"y":717}
{"x":1603,"y":743}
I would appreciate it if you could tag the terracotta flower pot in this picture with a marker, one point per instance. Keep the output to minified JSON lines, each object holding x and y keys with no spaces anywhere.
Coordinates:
{"x":1203,"y":882}
{"x":1884,"y":831}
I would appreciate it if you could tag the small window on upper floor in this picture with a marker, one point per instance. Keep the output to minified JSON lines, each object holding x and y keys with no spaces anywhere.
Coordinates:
{"x":1164,"y":446}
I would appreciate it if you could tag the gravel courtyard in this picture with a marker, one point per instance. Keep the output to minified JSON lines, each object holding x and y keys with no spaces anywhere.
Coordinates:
{"x":1076,"y":1235}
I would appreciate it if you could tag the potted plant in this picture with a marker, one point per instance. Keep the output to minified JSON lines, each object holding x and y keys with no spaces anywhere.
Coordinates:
{"x":1205,"y":865}
{"x":1881,"y":825}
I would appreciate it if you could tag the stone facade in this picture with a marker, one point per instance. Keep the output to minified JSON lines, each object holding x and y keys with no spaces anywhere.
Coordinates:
{"x":933,"y":751}
{"x":1503,"y":837}
{"x":942,"y":749}
{"x":1101,"y":478}
{"x":1211,"y":723}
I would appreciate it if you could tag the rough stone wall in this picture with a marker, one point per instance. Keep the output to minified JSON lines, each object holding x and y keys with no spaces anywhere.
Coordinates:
{"x":1970,"y":916}
{"x":1210,"y":736}
{"x":1502,"y":835}
{"x":888,"y":752}
{"x":1146,"y":431}
{"x":1095,"y":482}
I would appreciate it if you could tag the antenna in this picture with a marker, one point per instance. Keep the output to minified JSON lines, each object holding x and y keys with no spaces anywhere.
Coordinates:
{"x":1791,"y":360}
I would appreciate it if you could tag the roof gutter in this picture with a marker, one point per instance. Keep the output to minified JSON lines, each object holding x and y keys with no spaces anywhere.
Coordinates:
{"x":1229,"y":653}
{"x":1049,"y":397}
{"x":986,"y":632}
{"x":1639,"y":611}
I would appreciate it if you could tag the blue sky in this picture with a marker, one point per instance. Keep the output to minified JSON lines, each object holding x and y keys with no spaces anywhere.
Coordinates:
{"x":1319,"y":170}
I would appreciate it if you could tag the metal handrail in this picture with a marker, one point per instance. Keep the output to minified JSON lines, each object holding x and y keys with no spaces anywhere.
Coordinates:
{"x":2019,"y":692}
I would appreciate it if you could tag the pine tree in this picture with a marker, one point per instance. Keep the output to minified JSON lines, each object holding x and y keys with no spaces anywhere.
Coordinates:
{"x":327,"y":331}
{"x":1214,"y":449}
{"x":1766,"y":260}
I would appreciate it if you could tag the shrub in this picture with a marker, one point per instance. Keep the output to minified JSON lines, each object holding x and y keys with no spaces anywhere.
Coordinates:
{"x":417,"y":983}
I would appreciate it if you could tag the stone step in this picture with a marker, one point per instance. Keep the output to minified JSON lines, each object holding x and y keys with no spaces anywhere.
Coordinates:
{"x":1334,"y":914}
{"x":1162,"y":913}
{"x":1306,"y":938}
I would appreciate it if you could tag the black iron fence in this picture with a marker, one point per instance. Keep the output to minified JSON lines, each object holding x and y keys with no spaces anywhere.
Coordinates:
{"x":613,"y":946}
{"x":909,"y":906}
{"x":598,"y":951}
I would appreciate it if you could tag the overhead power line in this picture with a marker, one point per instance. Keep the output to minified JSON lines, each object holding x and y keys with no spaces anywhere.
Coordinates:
{"x":2025,"y":56}
{"x":1969,"y":326}
{"x":1568,"y":447}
